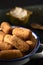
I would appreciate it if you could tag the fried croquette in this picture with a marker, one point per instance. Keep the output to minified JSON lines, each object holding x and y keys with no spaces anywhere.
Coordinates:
{"x":2,"y":34}
{"x":10,"y":54}
{"x":17,"y":42}
{"x":4,"y":46}
{"x":23,"y":33}
{"x":32,"y":42}
{"x":33,"y":39}
{"x":6,"y":28}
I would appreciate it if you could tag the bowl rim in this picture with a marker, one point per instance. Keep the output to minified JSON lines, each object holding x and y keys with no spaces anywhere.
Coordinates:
{"x":28,"y":55}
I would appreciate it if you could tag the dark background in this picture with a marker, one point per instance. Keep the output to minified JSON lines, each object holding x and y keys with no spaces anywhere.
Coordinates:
{"x":12,"y":3}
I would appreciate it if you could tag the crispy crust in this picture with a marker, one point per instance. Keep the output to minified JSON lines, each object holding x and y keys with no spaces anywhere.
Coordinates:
{"x":4,"y":46}
{"x":2,"y":34}
{"x":23,"y":33}
{"x":10,"y":54}
{"x":17,"y":42}
{"x":6,"y":27}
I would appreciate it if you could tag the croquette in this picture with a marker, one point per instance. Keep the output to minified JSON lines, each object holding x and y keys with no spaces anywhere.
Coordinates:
{"x":32,"y":42}
{"x":2,"y":34}
{"x":16,"y":42}
{"x":6,"y":27}
{"x":23,"y":33}
{"x":33,"y":39}
{"x":4,"y":46}
{"x":10,"y":54}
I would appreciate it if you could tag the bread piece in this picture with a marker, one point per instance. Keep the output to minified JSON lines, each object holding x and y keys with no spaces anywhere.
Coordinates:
{"x":17,"y":42}
{"x":4,"y":46}
{"x":6,"y":27}
{"x":23,"y":33}
{"x":10,"y":54}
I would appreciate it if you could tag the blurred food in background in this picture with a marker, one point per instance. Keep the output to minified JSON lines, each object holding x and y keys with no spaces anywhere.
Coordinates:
{"x":37,"y":26}
{"x":19,"y":16}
